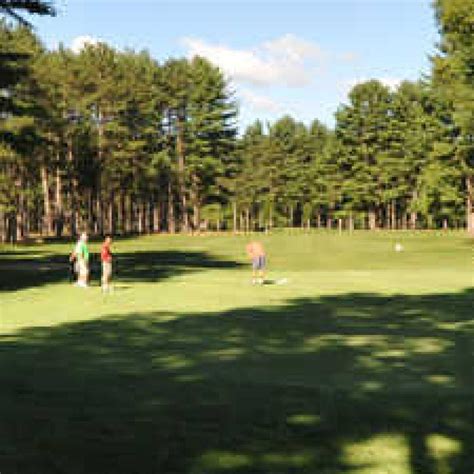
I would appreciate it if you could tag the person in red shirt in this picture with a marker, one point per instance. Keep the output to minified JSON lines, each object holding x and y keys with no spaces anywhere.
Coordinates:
{"x":106,"y":259}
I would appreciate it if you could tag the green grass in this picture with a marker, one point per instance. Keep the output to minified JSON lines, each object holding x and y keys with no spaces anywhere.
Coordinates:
{"x":363,"y":362}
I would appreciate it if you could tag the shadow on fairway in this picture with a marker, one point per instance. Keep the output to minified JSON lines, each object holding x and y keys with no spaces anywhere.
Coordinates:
{"x":23,"y":269}
{"x":257,"y":390}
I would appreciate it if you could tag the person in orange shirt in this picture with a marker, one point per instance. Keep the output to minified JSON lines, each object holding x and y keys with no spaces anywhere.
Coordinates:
{"x":106,"y":259}
{"x":256,"y":252}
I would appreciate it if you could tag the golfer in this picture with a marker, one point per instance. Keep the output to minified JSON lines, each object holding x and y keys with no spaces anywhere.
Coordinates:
{"x":106,"y":259}
{"x":82,"y":256}
{"x":256,"y":252}
{"x":73,"y":266}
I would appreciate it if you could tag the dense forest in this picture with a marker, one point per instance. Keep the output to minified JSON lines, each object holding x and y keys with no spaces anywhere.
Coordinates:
{"x":115,"y":142}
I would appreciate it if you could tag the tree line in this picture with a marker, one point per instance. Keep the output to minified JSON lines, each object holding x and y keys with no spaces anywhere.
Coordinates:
{"x":110,"y":141}
{"x":390,"y":162}
{"x":115,"y":142}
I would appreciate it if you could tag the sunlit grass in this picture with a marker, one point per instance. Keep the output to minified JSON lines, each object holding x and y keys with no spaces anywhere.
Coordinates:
{"x":382,"y":454}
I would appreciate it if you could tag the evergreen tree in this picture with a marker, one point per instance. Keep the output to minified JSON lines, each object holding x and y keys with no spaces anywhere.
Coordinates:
{"x":363,"y":131}
{"x":211,"y":133}
{"x":16,"y":8}
{"x":454,"y":76}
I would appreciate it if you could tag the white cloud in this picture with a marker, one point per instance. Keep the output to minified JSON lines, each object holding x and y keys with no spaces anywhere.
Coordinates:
{"x":78,"y":43}
{"x":293,"y":48}
{"x":287,"y":60}
{"x":259,"y":103}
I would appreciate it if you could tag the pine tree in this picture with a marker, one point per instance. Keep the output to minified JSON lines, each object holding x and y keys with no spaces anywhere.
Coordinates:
{"x":16,"y":8}
{"x":211,"y":137}
{"x":362,"y":129}
{"x":454,"y":76}
{"x":19,"y":132}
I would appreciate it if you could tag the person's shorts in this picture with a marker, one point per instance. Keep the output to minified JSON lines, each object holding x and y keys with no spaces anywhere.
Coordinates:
{"x":258,"y":263}
{"x":106,"y":270}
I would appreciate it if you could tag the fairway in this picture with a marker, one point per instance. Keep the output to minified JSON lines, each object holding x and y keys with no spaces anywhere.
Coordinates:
{"x":352,"y":358}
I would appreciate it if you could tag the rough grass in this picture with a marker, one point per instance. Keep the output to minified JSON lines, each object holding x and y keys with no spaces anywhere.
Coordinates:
{"x":363,"y":362}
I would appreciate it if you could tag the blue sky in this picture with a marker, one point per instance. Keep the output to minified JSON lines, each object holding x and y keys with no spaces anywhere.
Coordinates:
{"x":297,"y":57}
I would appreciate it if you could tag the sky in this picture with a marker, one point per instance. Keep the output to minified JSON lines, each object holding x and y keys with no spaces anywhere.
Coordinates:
{"x":282,"y":57}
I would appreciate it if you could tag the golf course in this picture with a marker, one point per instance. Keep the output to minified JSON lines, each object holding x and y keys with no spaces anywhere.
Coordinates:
{"x":351,"y":358}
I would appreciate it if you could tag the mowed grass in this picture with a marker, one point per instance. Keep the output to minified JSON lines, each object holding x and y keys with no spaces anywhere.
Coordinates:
{"x":362,"y":361}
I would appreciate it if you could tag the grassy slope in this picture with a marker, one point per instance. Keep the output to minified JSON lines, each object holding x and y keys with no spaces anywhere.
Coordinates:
{"x":362,"y":362}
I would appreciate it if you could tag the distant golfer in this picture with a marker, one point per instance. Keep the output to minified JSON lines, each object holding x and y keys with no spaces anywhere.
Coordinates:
{"x":106,"y":259}
{"x":73,"y":267}
{"x":82,"y":256}
{"x":256,"y":252}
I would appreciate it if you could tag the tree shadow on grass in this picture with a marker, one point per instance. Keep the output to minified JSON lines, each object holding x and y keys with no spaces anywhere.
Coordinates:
{"x":33,"y":269}
{"x":339,"y":384}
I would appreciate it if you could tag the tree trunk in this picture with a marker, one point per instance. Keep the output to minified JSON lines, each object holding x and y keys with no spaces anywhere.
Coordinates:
{"x":329,"y":221}
{"x":145,"y":211}
{"x":180,"y":150}
{"x":151,"y":217}
{"x":372,"y":219}
{"x":140,"y":218}
{"x":196,"y":204}
{"x":196,"y":216}
{"x":404,"y":221}
{"x":74,"y":190}
{"x":99,"y":213}
{"x":413,"y":214}
{"x":470,"y":204}
{"x":48,"y":215}
{"x":234,"y":216}
{"x":393,"y":215}
{"x":351,"y":222}
{"x":413,"y":220}
{"x":184,"y":215}
{"x":19,"y":226}
{"x":123,"y":215}
{"x":59,"y":204}
{"x":128,"y":214}
{"x":11,"y":228}
{"x":20,"y":213}
{"x":171,"y":215}
{"x":89,"y":218}
{"x":3,"y":230}
{"x":146,"y":216}
{"x":143,"y":207}
{"x":156,"y":217}
{"x":112,"y":223}
{"x":133,"y":215}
